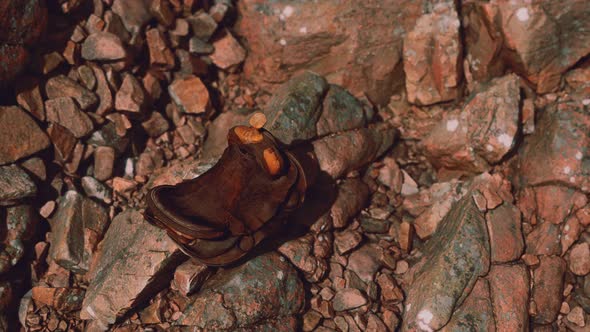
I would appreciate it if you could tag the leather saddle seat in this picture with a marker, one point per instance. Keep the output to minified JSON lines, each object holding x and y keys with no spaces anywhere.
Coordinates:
{"x":220,"y":216}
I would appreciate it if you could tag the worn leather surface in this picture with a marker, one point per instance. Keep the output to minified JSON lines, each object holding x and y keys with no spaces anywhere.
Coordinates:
{"x":222,"y":215}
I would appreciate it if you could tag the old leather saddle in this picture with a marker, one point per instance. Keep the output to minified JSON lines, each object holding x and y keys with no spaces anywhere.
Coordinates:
{"x":220,"y":216}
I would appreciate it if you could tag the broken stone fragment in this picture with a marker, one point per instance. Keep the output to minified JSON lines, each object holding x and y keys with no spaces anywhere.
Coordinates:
{"x":509,"y":287}
{"x":547,"y":288}
{"x":190,"y":276}
{"x":227,"y":52}
{"x":103,"y":91}
{"x":63,"y":86}
{"x":134,"y":14}
{"x":131,"y":96}
{"x":432,"y":56}
{"x":63,"y":141}
{"x":482,"y":133}
{"x":476,"y":313}
{"x":285,"y":34}
{"x":348,"y":298}
{"x":505,"y":35}
{"x":345,"y":152}
{"x":29,"y":97}
{"x":448,"y":268}
{"x":299,"y":252}
{"x":160,"y":54}
{"x":190,"y":94}
{"x":202,"y":25}
{"x":65,"y":112}
{"x":17,"y":126}
{"x":104,"y":160}
{"x":61,"y":299}
{"x":21,"y":222}
{"x":15,"y":184}
{"x":71,"y":247}
{"x":103,"y":46}
{"x":341,"y":111}
{"x":131,"y":248}
{"x":504,"y":226}
{"x":265,"y":288}
{"x":295,"y":108}
{"x":557,"y":152}
{"x":353,"y":195}
{"x":365,"y":261}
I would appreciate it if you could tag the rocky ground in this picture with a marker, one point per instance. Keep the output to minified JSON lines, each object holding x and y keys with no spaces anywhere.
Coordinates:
{"x":454,"y":140}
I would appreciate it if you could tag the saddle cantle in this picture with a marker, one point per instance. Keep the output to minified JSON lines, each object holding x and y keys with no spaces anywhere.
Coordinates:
{"x":220,"y":216}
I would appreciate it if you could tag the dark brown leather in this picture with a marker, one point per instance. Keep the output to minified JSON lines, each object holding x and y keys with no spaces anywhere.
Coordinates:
{"x":223,"y":214}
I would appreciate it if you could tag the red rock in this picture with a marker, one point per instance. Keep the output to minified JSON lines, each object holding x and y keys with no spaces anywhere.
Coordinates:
{"x":476,"y":312}
{"x":202,"y":25}
{"x":555,"y":153}
{"x":103,"y":46}
{"x":530,"y":260}
{"x":29,"y":97}
{"x":190,"y":276}
{"x":365,"y":261}
{"x":66,"y":113}
{"x":134,"y":13}
{"x":47,"y":209}
{"x":311,"y":319}
{"x":71,"y":53}
{"x":352,"y":197}
{"x":348,"y":298}
{"x":577,"y":316}
{"x":570,"y":233}
{"x":62,"y":86}
{"x":103,"y":91}
{"x":504,"y":227}
{"x":161,"y":10}
{"x":160,"y":54}
{"x":71,"y":247}
{"x":279,"y":39}
{"x":544,"y":240}
{"x":104,"y":159}
{"x":579,"y":259}
{"x":190,"y":94}
{"x":269,"y":291}
{"x":429,"y":207}
{"x":94,"y":24}
{"x":63,"y":141}
{"x":347,"y":240}
{"x":391,"y":175}
{"x":36,"y":167}
{"x":228,"y":52}
{"x":406,"y":234}
{"x":554,"y":203}
{"x":132,"y":249}
{"x":123,"y":186}
{"x":448,"y":268}
{"x":548,"y":285}
{"x":61,"y":299}
{"x":482,"y":133}
{"x":130,"y":97}
{"x":17,"y":126}
{"x":22,"y":22}
{"x":374,"y":323}
{"x":509,"y":287}
{"x":342,"y":153}
{"x":156,"y":125}
{"x":517,"y":25}
{"x":432,"y":56}
{"x":299,"y":252}
{"x":391,"y":293}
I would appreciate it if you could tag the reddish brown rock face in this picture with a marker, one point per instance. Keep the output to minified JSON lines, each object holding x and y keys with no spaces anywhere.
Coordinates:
{"x":342,"y":40}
